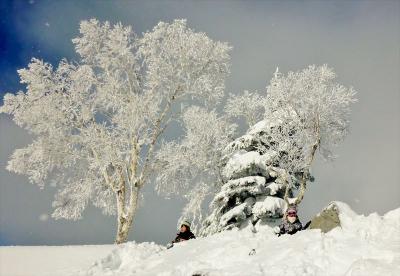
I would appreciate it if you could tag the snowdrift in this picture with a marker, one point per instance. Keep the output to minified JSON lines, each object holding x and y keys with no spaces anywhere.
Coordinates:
{"x":50,"y":260}
{"x":364,"y":245}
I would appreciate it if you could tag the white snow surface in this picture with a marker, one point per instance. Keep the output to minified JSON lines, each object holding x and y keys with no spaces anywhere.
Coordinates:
{"x":263,"y":125}
{"x":50,"y":260}
{"x":270,"y":204}
{"x":252,"y":183}
{"x":275,"y":187}
{"x":364,"y":245}
{"x":242,"y":160}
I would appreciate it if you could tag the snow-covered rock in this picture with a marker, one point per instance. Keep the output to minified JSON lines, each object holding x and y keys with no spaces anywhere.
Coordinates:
{"x":328,"y":219}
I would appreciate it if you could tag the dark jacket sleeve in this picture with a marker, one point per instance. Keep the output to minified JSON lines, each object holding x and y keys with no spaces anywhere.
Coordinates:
{"x":177,"y":238}
{"x":281,"y":229}
{"x":296,"y":226}
{"x":299,"y":226}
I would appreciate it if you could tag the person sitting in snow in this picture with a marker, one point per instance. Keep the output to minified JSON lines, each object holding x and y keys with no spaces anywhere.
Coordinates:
{"x":290,"y":224}
{"x":185,"y":233}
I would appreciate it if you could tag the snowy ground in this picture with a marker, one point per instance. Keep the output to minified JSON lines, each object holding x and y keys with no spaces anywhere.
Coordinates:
{"x":365,"y":245}
{"x":49,"y":260}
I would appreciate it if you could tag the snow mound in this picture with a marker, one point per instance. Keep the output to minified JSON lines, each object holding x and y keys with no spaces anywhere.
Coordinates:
{"x":364,"y":245}
{"x":122,"y":258}
{"x":373,"y":228}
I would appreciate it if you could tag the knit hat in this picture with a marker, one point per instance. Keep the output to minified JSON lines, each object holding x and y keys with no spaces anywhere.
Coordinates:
{"x":186,"y":223}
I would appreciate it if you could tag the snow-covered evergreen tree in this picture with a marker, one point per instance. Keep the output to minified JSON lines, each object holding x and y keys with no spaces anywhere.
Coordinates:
{"x":254,"y":183}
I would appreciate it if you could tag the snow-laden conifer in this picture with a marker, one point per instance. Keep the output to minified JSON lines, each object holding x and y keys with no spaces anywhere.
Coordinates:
{"x":254,"y":184}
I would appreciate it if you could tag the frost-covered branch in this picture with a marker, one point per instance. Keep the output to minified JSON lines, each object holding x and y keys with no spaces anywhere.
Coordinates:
{"x":98,"y":123}
{"x":250,"y":105}
{"x":311,"y":112}
{"x":186,"y":165}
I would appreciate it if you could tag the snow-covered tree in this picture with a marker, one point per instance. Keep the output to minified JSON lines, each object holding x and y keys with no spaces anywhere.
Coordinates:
{"x":312,"y":111}
{"x":192,"y":166}
{"x":305,"y":112}
{"x":249,"y":105}
{"x":98,"y":123}
{"x":254,"y":185}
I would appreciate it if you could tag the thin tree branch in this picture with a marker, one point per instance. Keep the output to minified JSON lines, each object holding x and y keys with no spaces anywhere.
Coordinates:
{"x":157,"y":131}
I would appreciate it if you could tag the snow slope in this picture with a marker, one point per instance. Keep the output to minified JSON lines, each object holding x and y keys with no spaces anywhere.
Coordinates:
{"x":365,"y":245}
{"x":49,"y":260}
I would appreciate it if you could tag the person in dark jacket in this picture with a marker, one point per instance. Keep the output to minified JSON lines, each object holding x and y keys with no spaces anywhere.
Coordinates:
{"x":185,"y":233}
{"x":291,"y":223}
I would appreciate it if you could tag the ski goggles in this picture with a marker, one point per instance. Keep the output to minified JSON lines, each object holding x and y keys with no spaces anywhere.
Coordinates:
{"x":291,"y":214}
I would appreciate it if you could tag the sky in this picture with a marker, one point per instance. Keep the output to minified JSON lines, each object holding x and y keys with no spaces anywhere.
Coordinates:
{"x":359,"y":39}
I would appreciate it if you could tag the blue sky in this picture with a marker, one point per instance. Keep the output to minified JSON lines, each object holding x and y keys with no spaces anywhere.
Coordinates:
{"x":11,"y":46}
{"x":17,"y":46}
{"x":360,"y":39}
